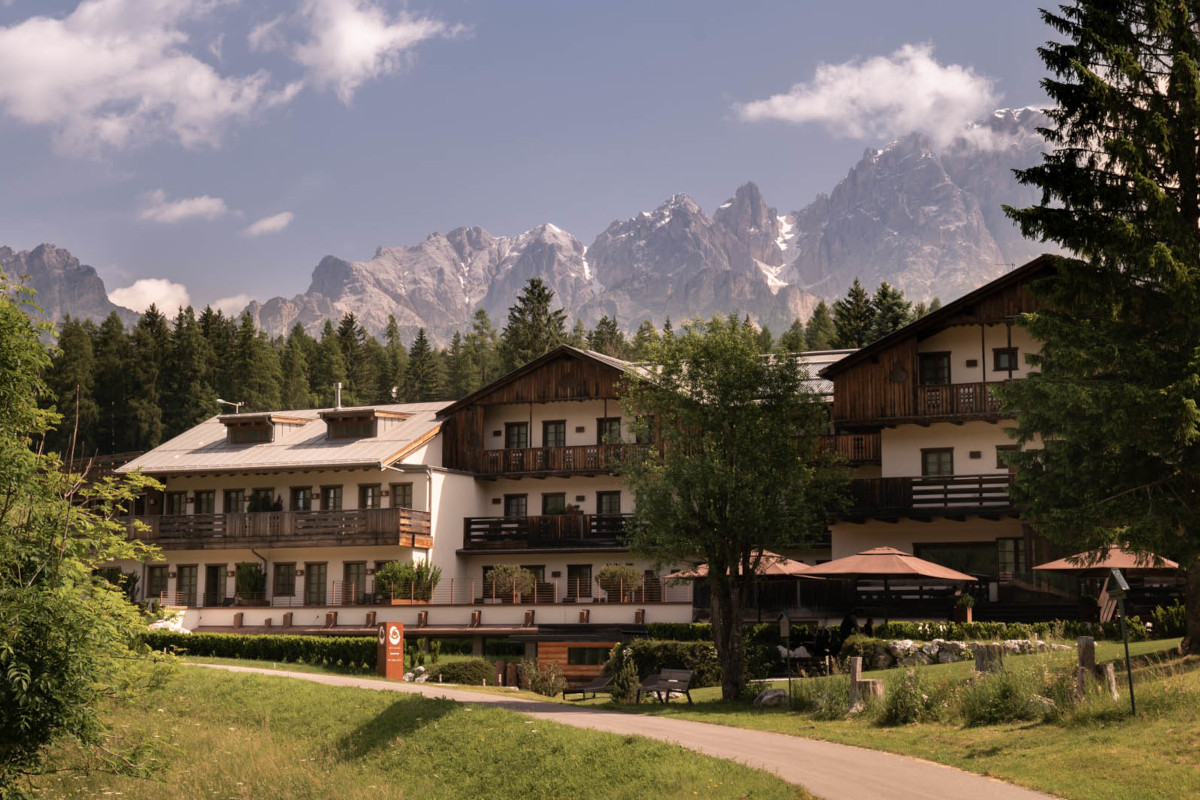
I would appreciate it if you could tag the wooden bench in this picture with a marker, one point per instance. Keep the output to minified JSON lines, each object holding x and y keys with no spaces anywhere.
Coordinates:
{"x":662,"y":685}
{"x":602,"y":683}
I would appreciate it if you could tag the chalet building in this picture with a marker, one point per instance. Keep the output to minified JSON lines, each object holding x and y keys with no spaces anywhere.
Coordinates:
{"x":915,"y":415}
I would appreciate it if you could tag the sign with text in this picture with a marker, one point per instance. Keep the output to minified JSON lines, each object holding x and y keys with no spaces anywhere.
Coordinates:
{"x":389,"y":663}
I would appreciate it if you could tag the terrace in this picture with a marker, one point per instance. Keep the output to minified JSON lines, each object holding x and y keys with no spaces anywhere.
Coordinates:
{"x":930,"y":496}
{"x":373,"y":526}
{"x":556,"y":531}
{"x":587,"y":459}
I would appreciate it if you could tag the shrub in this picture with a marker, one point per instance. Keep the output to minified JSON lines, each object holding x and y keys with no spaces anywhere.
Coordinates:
{"x":510,"y":579}
{"x":330,"y":650}
{"x":406,"y":580}
{"x":435,"y":651}
{"x":862,"y":646}
{"x":618,"y":579}
{"x":251,"y":581}
{"x":625,"y":674}
{"x":913,"y":698}
{"x":651,"y":656}
{"x":680,"y":631}
{"x":995,"y":697}
{"x":1170,"y":621}
{"x":545,"y":679}
{"x":472,"y":672}
{"x":823,"y":698}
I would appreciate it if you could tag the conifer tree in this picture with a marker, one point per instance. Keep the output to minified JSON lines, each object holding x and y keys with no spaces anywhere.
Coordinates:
{"x":72,"y":371}
{"x":221,"y":334}
{"x":462,"y":373}
{"x":853,"y":318}
{"x":424,"y":378}
{"x":607,"y":338}
{"x":328,"y":367}
{"x":1116,"y":394}
{"x":644,"y":340}
{"x":395,"y":357}
{"x":151,"y":342}
{"x":294,"y":391}
{"x":114,"y":368}
{"x":188,"y":397}
{"x":485,"y":344}
{"x":819,"y":331}
{"x":256,"y":365}
{"x":892,"y":311}
{"x":533,"y":328}
{"x":792,"y":340}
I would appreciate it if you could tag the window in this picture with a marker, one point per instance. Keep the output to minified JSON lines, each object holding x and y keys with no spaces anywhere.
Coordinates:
{"x":156,"y":581}
{"x":262,"y":499}
{"x":554,"y":503}
{"x":206,"y":502}
{"x":369,"y":496}
{"x":354,"y":581}
{"x":516,"y":505}
{"x":284,"y":580}
{"x":251,"y":435}
{"x":302,"y":498}
{"x":937,"y":462}
{"x":402,"y":495}
{"x":314,"y":584}
{"x":1010,"y":558}
{"x":176,"y":503}
{"x":608,"y":430}
{"x":331,"y":498}
{"x":235,"y":501}
{"x":538,"y":570}
{"x":608,"y":502}
{"x":351,"y":428}
{"x":1004,"y":359}
{"x":554,"y":434}
{"x":185,"y":584}
{"x":516,"y":435}
{"x":579,"y":580}
{"x":1001,"y":450}
{"x":934,"y":368}
{"x":587,"y":656}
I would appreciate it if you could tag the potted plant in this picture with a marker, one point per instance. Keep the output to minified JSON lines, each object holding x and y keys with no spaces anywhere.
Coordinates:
{"x":509,"y":581}
{"x":963,"y":608}
{"x":619,"y":581}
{"x":250,"y":584}
{"x":406,"y":583}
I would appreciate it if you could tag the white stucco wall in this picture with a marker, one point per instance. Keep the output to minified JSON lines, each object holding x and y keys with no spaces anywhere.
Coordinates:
{"x":973,"y":342}
{"x":900,"y":447}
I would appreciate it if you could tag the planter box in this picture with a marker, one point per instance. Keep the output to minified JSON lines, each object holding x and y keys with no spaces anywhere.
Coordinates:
{"x":407,"y":602}
{"x":964,"y":614}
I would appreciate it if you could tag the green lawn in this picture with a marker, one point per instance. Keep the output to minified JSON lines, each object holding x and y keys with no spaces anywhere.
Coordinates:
{"x":223,"y":735}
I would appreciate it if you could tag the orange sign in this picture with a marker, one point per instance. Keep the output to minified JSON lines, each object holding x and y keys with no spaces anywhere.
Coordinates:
{"x":389,"y":662}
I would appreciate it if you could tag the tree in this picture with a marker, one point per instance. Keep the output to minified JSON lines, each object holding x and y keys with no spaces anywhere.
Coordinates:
{"x":1116,"y":396}
{"x":645,"y":338}
{"x":533,"y":329}
{"x":70,"y":378}
{"x":892,"y":311}
{"x":484,"y":341}
{"x":294,"y":392}
{"x":853,"y":318}
{"x":257,"y":368}
{"x":113,"y":351}
{"x":607,"y":338}
{"x":328,"y":366}
{"x":792,"y":340}
{"x":67,"y":637}
{"x":188,"y":397}
{"x":819,"y":332}
{"x":150,"y":349}
{"x":462,"y":373}
{"x":424,"y":377}
{"x":738,"y":471}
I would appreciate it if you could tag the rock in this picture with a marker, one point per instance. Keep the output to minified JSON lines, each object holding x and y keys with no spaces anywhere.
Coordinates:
{"x":419,"y":670}
{"x":408,"y":676}
{"x":63,"y":285}
{"x":422,"y":678}
{"x":771,"y":698}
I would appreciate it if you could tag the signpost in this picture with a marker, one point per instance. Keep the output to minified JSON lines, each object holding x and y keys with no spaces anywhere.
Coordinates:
{"x":389,"y":659}
{"x":1117,"y":588}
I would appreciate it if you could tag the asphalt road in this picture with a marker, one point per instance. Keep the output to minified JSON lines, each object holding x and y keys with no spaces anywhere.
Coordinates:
{"x":830,"y":771}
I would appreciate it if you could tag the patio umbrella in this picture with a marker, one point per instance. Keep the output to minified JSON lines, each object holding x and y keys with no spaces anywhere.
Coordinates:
{"x":772,"y":564}
{"x":1116,"y":557}
{"x":886,"y":563}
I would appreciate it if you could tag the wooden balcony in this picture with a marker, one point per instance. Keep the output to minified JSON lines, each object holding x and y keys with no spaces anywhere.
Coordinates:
{"x":957,"y":495}
{"x":559,"y":531}
{"x":957,"y":400}
{"x":585,"y":459}
{"x":856,"y":448}
{"x":374,"y":526}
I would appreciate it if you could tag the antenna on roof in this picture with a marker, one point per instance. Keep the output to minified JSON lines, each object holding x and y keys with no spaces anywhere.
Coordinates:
{"x":237,"y":407}
{"x":337,"y":394}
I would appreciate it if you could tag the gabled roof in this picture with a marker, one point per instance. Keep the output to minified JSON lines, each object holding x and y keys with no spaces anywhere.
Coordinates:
{"x":939,"y":319}
{"x":206,"y":448}
{"x":564,"y":350}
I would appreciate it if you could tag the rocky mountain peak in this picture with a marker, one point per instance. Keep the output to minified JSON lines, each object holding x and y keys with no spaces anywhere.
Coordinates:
{"x":61,"y":284}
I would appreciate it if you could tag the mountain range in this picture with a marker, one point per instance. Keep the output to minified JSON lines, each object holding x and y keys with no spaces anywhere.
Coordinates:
{"x":927,"y":221}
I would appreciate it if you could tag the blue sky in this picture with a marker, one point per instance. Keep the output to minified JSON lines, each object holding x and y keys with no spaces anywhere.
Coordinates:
{"x":227,"y":146}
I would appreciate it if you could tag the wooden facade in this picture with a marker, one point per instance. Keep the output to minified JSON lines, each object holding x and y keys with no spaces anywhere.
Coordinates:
{"x":559,"y":653}
{"x":402,"y":527}
{"x":563,"y":375}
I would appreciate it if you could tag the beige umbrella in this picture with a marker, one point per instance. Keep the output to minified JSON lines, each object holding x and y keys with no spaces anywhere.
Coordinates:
{"x":886,"y":562}
{"x":1115,"y":557}
{"x":771,"y":564}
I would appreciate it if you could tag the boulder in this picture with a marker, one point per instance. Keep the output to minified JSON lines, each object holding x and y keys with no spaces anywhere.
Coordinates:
{"x":408,"y":676}
{"x":771,"y":698}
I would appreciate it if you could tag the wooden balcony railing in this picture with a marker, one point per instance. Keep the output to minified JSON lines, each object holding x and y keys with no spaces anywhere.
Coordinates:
{"x":856,"y":448}
{"x":940,"y":495}
{"x":559,"y":530}
{"x":372,"y":526}
{"x":957,"y":399}
{"x":584,"y":458}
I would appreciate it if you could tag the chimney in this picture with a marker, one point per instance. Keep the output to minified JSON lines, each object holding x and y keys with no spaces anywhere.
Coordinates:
{"x":337,"y":394}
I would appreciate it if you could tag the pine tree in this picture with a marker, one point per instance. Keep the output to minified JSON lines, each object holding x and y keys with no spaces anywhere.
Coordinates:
{"x":188,"y":397}
{"x":607,"y":338}
{"x":294,"y":392}
{"x":361,"y":378}
{"x":1117,"y":389}
{"x":533,"y":329}
{"x":395,"y":354}
{"x":462,"y":373}
{"x":328,"y":368}
{"x":854,"y":317}
{"x":256,"y":365}
{"x":221,"y":334}
{"x":150,"y":346}
{"x":820,"y":333}
{"x":70,"y":380}
{"x":578,"y":336}
{"x":645,"y":338}
{"x":424,"y":377}
{"x":792,"y":340}
{"x":892,"y":311}
{"x":113,"y":379}
{"x":485,"y":346}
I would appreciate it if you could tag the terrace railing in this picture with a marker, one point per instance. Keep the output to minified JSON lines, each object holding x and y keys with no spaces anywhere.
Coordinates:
{"x":374,"y":526}
{"x":575,"y":459}
{"x":949,"y":494}
{"x":555,"y":530}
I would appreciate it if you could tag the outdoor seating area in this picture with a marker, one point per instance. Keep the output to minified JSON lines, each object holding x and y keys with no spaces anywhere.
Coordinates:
{"x":601,"y":684}
{"x":666,"y":683}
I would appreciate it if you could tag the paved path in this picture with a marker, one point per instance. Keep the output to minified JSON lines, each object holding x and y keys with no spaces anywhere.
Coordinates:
{"x":830,"y":771}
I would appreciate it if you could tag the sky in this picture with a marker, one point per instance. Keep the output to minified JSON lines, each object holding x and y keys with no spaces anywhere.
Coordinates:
{"x":213,"y":151}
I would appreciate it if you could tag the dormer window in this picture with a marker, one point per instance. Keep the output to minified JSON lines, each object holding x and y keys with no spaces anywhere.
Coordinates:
{"x":251,"y":435}
{"x":358,"y":423}
{"x":256,"y":428}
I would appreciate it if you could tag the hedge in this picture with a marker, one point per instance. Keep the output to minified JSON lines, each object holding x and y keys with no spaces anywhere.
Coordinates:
{"x":472,"y":672}
{"x":999,"y":631}
{"x":348,"y":650}
{"x":651,"y":656}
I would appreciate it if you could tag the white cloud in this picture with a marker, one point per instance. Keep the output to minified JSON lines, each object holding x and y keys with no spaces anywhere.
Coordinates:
{"x":353,"y":41}
{"x":114,"y":73}
{"x":161,"y":292}
{"x":884,"y":97}
{"x":232,"y":306}
{"x":273,"y":224}
{"x":159,"y":209}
